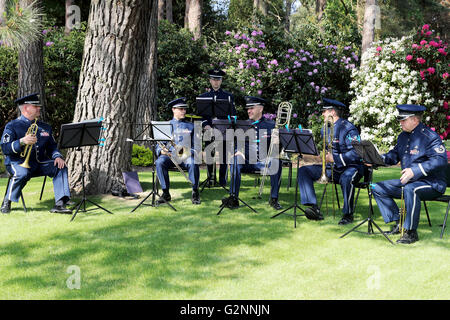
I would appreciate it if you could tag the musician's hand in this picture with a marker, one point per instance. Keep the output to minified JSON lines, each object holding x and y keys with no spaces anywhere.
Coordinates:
{"x":29,"y":139}
{"x":165,"y":152}
{"x":239,"y":154}
{"x":329,"y":157}
{"x":367,"y":164}
{"x":59,"y":162}
{"x":407,"y":174}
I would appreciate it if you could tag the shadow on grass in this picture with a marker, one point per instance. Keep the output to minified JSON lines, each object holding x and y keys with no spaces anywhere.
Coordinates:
{"x":167,"y":252}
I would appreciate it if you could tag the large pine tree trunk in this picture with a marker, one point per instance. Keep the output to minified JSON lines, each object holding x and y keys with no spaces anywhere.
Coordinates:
{"x":112,"y":63}
{"x":31,"y":69}
{"x":147,"y":84}
{"x":369,"y":25}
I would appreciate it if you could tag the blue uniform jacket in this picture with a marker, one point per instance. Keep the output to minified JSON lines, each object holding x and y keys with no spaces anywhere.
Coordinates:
{"x":263,"y":130}
{"x":181,"y":130}
{"x":45,"y":148}
{"x":219,"y":94}
{"x":344,"y":155}
{"x":421,"y":150}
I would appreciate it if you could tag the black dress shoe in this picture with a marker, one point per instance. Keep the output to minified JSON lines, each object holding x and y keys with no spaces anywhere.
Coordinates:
{"x":195,"y":197}
{"x":61,"y":209}
{"x":230,"y":202}
{"x":394,"y":230}
{"x":275,"y":204}
{"x":410,"y":236}
{"x":6,"y":206}
{"x":313,"y":213}
{"x":346,"y":219}
{"x":165,"y":197}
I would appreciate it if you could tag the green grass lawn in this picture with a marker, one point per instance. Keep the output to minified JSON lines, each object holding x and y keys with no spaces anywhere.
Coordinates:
{"x":191,"y":253}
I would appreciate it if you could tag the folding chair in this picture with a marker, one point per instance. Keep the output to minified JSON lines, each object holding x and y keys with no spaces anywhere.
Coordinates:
{"x":444,"y":198}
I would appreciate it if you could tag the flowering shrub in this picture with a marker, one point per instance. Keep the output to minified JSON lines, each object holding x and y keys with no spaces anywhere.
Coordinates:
{"x":287,"y":71}
{"x":429,"y":56}
{"x":386,"y":80}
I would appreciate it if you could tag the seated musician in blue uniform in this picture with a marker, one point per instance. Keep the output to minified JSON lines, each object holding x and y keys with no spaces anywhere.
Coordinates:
{"x":44,"y":160}
{"x":215,"y":79}
{"x":183,"y":136}
{"x":347,"y":165}
{"x":263,"y":131}
{"x":423,"y":158}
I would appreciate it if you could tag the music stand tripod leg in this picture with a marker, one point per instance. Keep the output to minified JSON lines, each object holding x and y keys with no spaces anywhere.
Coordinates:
{"x":295,"y":206}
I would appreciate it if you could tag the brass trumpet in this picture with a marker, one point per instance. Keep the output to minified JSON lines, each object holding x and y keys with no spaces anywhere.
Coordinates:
{"x":328,"y":136}
{"x":328,"y":130}
{"x":32,"y":130}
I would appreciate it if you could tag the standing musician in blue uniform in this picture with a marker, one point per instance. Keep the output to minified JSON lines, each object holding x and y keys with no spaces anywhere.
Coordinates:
{"x":347,"y":168}
{"x":215,"y":79}
{"x":183,"y":135}
{"x":45,"y":159}
{"x":423,"y":157}
{"x":263,"y":130}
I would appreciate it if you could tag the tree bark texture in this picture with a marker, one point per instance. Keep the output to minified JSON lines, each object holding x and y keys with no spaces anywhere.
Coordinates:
{"x":2,"y":10}
{"x":147,"y":84}
{"x":369,"y":25}
{"x":287,"y":20}
{"x":320,"y":8}
{"x":69,"y":15}
{"x":169,"y":11}
{"x":114,"y":54}
{"x":193,"y":17}
{"x":31,"y":69}
{"x":161,"y":9}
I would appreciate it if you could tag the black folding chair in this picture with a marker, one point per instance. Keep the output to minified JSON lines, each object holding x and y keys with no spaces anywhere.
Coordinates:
{"x":443,"y":198}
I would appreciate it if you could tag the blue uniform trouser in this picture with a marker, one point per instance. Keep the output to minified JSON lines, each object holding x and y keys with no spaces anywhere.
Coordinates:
{"x":163,"y":164}
{"x":308,"y":174}
{"x":414,"y":192}
{"x":20,"y":177}
{"x":275,"y":178}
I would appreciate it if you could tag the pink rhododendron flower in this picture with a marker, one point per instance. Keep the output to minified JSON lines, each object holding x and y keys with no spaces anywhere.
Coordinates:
{"x":409,"y":57}
{"x":445,"y":75}
{"x":431,"y":70}
{"x":426,"y":27}
{"x":420,"y":60}
{"x":379,"y":49}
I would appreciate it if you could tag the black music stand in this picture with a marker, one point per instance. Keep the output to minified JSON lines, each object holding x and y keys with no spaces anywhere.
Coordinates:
{"x":370,"y":155}
{"x":208,"y":108}
{"x":300,"y":142}
{"x":77,"y":135}
{"x":160,"y":132}
{"x":233,"y":124}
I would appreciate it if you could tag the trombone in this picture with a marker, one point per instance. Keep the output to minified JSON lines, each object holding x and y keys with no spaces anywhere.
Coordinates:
{"x":283,"y":119}
{"x":32,"y":130}
{"x":328,"y":136}
{"x":182,"y":153}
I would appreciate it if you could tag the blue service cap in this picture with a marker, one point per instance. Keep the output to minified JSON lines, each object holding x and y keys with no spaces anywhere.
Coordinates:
{"x":253,"y":101}
{"x":332,"y":104}
{"x":216,"y":74}
{"x":408,"y":110}
{"x":29,"y":99}
{"x":178,"y":103}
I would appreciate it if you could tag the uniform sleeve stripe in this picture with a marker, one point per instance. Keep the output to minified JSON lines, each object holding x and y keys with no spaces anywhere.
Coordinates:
{"x":421,"y":169}
{"x":342,"y":159}
{"x":12,"y":147}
